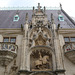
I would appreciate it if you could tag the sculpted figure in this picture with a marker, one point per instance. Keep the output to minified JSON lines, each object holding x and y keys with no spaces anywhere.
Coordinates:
{"x":42,"y":62}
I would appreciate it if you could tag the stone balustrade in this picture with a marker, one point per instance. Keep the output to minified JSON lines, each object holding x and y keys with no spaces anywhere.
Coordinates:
{"x":8,"y":51}
{"x":8,"y":47}
{"x":69,"y":46}
{"x":69,"y":51}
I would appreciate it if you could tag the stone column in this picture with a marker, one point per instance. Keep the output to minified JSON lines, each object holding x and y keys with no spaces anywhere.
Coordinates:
{"x":24,"y":46}
{"x":56,"y":44}
{"x":59,"y":67}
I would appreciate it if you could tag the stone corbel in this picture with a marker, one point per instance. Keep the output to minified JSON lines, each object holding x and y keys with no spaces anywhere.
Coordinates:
{"x":13,"y":69}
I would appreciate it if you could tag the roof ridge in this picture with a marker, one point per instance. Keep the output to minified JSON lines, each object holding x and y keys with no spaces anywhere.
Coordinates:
{"x":68,"y":17}
{"x":27,"y":8}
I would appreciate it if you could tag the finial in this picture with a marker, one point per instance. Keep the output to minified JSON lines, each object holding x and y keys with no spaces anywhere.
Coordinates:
{"x":58,"y":26}
{"x":60,"y":5}
{"x":26,"y":19}
{"x":33,"y":7}
{"x":52,"y":19}
{"x":26,"y":15}
{"x":44,"y":8}
{"x":39,"y":6}
{"x":33,"y":10}
{"x":21,"y":27}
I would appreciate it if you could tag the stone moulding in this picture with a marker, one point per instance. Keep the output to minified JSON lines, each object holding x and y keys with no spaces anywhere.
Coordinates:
{"x":35,"y":72}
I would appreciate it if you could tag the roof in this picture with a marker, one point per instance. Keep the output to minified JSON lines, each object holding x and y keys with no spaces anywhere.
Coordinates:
{"x":6,"y":18}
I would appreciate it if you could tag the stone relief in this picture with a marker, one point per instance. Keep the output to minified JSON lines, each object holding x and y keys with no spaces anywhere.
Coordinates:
{"x":40,"y":41}
{"x":42,"y":62}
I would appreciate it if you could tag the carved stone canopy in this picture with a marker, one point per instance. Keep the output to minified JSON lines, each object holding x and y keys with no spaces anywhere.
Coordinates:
{"x":40,"y":40}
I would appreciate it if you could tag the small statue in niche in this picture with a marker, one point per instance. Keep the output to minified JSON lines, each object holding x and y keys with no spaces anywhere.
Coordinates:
{"x":42,"y":62}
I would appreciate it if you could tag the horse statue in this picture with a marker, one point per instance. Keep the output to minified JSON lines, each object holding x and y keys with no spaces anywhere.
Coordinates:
{"x":42,"y":63}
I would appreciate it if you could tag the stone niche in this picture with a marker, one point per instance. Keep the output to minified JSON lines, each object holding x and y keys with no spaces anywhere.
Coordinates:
{"x":40,"y":37}
{"x":41,"y":60}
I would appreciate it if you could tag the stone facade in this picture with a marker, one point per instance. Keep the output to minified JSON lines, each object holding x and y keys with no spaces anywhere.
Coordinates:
{"x":39,"y":49}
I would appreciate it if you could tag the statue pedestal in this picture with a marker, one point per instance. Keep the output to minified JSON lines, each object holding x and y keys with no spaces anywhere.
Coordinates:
{"x":41,"y":69}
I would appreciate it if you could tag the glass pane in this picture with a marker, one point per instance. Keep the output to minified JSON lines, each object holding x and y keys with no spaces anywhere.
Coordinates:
{"x":5,"y":46}
{"x":16,"y":18}
{"x":72,"y":39}
{"x":6,"y":39}
{"x":66,"y":39}
{"x":13,"y":40}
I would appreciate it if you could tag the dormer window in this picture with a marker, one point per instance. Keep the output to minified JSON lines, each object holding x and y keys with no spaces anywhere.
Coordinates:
{"x":61,"y":18}
{"x":16,"y":18}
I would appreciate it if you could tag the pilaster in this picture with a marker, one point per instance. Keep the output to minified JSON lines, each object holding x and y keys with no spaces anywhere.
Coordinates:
{"x":24,"y":45}
{"x":58,"y":56}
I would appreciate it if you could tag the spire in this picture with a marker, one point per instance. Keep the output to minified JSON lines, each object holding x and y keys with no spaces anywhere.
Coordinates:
{"x":44,"y":9}
{"x":60,"y":5}
{"x":33,"y":10}
{"x":39,"y":6}
{"x":26,"y":18}
{"x":26,"y":22}
{"x":52,"y":19}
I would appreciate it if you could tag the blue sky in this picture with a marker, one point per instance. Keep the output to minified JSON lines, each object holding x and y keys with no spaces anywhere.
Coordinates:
{"x":68,"y":5}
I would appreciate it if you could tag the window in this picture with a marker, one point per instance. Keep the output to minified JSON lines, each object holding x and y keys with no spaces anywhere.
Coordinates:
{"x":66,"y":39}
{"x":9,"y":39}
{"x":72,"y":39}
{"x":61,"y":18}
{"x":6,"y":39}
{"x":13,"y":39}
{"x":69,"y":39}
{"x":16,"y":18}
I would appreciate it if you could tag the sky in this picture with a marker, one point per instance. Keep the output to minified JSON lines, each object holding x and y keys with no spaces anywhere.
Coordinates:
{"x":67,"y":5}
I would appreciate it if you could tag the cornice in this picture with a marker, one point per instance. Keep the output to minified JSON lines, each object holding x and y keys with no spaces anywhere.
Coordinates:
{"x":67,"y":31}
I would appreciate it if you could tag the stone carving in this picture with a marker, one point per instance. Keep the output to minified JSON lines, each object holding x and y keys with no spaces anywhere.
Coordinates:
{"x":40,"y":41}
{"x":13,"y":69}
{"x":42,"y":62}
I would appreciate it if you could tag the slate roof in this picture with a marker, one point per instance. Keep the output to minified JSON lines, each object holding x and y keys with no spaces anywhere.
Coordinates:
{"x":6,"y":18}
